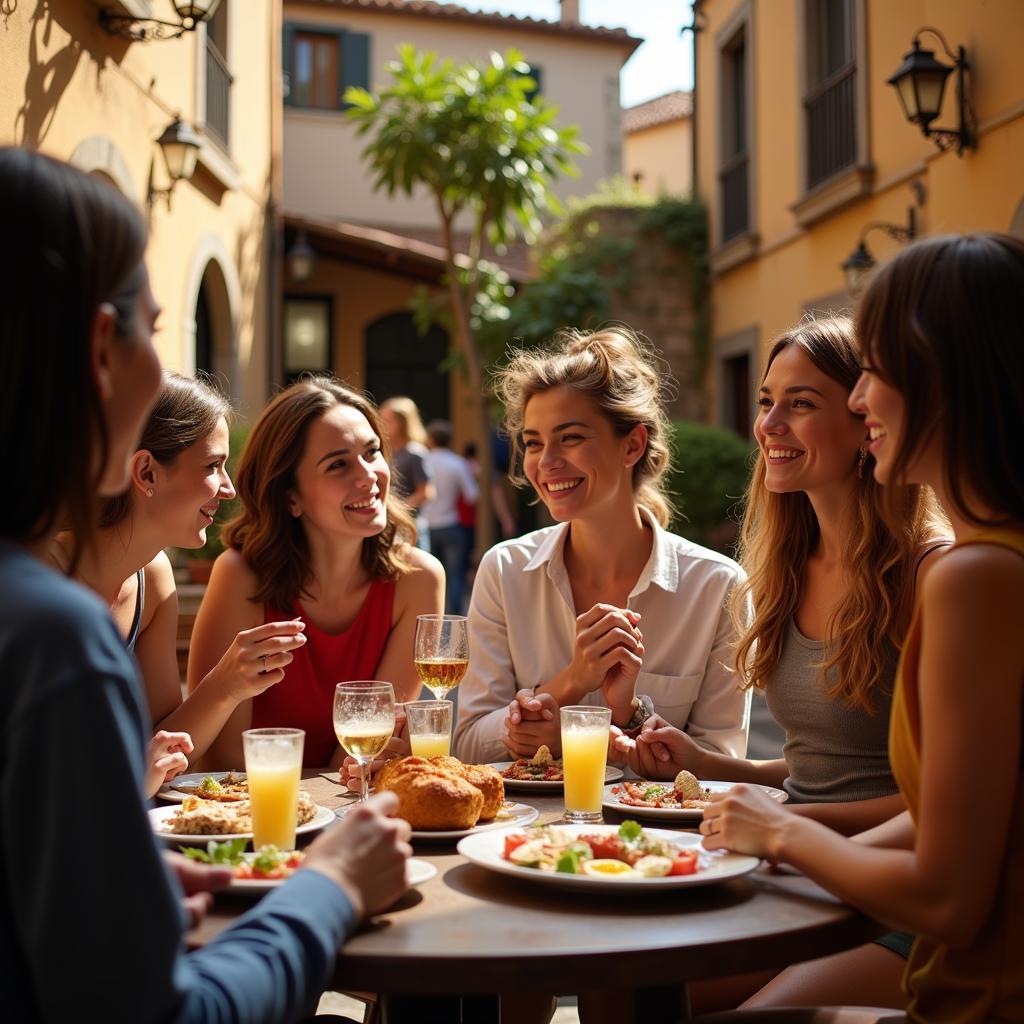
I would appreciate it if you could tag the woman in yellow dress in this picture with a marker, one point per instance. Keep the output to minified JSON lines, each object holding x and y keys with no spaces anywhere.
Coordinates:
{"x":940,"y":390}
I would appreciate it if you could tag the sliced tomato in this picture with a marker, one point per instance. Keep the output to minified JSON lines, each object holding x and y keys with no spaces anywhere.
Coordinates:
{"x":605,"y":847}
{"x":684,"y":863}
{"x":513,"y":842}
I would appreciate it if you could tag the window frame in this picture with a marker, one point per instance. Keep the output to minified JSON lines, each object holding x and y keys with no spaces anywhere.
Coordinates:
{"x":324,"y":299}
{"x":352,"y":61}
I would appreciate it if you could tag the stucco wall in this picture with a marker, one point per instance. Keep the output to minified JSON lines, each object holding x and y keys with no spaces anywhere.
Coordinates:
{"x":662,"y":156}
{"x":73,"y":91}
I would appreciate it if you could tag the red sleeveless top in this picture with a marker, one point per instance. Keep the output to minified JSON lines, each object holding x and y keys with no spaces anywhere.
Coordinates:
{"x":304,"y":699}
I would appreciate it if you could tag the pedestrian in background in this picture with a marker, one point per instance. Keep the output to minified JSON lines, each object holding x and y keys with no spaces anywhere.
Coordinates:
{"x":410,"y":478}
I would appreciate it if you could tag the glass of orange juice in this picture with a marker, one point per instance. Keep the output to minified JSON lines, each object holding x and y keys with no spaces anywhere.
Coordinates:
{"x":430,"y":727}
{"x":273,"y":764}
{"x":584,"y":757}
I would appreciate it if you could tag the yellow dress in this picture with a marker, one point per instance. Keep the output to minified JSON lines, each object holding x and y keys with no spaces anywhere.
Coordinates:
{"x":984,"y":982}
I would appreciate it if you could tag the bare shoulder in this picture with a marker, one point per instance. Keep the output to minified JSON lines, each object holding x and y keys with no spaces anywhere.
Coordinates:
{"x":159,"y":577}
{"x":231,"y":569}
{"x":422,"y":582}
{"x":977,"y":581}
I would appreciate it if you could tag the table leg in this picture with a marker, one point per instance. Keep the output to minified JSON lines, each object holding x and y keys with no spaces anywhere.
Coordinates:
{"x":666,"y":1005}
{"x":438,"y":1009}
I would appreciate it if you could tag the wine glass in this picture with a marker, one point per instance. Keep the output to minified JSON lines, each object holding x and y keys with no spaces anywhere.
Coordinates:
{"x":441,"y":652}
{"x":364,"y":719}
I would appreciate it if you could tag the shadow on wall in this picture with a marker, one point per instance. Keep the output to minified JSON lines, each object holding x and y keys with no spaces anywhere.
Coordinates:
{"x":47,"y":80}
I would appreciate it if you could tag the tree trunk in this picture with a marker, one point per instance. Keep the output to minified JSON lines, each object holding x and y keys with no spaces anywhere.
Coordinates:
{"x":475,"y":371}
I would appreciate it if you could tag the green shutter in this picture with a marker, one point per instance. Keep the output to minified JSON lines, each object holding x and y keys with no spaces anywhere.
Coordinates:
{"x":287,"y":62}
{"x":355,"y":62}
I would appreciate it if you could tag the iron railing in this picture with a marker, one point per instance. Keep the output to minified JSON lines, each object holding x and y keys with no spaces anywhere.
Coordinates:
{"x":735,"y":193}
{"x":218,"y":95}
{"x":832,"y":125}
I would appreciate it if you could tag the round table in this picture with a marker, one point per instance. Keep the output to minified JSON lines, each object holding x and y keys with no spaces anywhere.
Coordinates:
{"x":471,"y":931}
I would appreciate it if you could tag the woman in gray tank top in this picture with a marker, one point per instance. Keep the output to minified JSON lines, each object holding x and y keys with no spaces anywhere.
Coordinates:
{"x":832,"y":588}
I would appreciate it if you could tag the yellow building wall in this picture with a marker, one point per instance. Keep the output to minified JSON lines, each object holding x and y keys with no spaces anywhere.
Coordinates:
{"x":795,"y":266}
{"x":74,"y":92}
{"x":662,"y":156}
{"x":323,"y":171}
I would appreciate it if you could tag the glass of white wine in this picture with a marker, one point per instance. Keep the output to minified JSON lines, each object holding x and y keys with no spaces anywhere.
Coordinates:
{"x":441,"y":652}
{"x":364,"y":719}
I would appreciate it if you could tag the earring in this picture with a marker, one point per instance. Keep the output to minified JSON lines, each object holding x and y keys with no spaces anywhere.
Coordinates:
{"x":861,"y":459}
{"x":149,"y":492}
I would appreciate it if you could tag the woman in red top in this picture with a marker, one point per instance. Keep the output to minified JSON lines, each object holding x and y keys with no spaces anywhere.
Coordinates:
{"x":322,"y":544}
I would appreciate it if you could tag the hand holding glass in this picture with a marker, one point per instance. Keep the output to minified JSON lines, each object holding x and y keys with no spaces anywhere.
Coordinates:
{"x":441,"y":651}
{"x":364,"y":719}
{"x":585,"y":733}
{"x":273,"y":764}
{"x":430,"y":727}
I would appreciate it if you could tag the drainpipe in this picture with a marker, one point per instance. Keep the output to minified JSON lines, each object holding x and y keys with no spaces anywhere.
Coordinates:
{"x":696,"y":25}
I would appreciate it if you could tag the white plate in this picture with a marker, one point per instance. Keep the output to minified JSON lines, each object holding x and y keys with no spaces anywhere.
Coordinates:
{"x":486,"y":851}
{"x":611,"y":774}
{"x":165,"y":792}
{"x":158,"y":815}
{"x":612,"y":802}
{"x":416,"y":873}
{"x":518,"y":815}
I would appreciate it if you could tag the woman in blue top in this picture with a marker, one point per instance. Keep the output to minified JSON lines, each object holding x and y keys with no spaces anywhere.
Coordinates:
{"x":78,"y":374}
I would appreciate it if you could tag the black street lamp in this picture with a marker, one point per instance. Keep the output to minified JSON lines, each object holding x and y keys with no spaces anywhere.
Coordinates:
{"x":301,"y":258}
{"x":859,"y":264}
{"x":180,"y":147}
{"x":191,"y":14}
{"x":920,"y":82}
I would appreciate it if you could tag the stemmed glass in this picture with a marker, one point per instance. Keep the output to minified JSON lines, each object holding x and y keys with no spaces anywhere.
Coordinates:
{"x":441,"y":652}
{"x":364,"y":719}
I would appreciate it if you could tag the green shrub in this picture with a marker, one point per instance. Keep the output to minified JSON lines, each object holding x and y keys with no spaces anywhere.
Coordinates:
{"x":710,"y":469}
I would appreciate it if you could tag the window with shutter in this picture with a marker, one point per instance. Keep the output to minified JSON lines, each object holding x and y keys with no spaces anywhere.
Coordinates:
{"x":320,"y":63}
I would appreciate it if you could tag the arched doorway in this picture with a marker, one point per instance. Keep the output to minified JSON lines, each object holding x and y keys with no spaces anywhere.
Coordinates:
{"x":401,"y":361}
{"x":213,"y":341}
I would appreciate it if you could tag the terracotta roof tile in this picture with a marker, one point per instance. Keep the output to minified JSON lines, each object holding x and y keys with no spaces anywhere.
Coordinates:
{"x":673,"y":106}
{"x":454,"y":12}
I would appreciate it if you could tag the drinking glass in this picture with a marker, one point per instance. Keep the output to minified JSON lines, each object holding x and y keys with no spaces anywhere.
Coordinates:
{"x":364,"y":719}
{"x":430,"y":727}
{"x":441,"y":652}
{"x":584,"y":756}
{"x":273,"y":765}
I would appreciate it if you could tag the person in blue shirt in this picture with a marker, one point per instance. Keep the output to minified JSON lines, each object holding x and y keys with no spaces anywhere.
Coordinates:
{"x":91,"y":913}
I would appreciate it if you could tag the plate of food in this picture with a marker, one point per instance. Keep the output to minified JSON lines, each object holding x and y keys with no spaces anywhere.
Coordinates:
{"x":541,"y":772}
{"x":442,"y":798}
{"x":614,"y":858}
{"x":226,"y":787}
{"x":195,"y":820}
{"x":683,"y":799}
{"x":267,"y":868}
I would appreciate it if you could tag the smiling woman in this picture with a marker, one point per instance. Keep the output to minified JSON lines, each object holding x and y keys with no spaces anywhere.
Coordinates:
{"x":320,"y":576}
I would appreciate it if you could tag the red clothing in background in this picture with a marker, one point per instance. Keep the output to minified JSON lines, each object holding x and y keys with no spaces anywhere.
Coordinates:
{"x":304,"y":699}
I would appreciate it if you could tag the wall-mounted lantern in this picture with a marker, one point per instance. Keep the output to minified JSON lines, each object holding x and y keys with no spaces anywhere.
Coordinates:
{"x":191,"y":14}
{"x":920,"y":82}
{"x":859,"y":264}
{"x":180,"y":146}
{"x":301,"y":259}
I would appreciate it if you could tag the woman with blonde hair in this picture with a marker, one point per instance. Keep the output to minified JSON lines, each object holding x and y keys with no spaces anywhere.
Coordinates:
{"x":832,"y":589}
{"x":606,"y":607}
{"x":321,"y":540}
{"x":940,"y":393}
{"x":408,"y":437}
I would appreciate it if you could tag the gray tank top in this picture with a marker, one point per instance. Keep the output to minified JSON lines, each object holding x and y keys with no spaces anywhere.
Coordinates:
{"x":834,"y":752}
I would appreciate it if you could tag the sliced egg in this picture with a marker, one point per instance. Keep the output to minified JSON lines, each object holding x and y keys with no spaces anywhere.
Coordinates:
{"x":604,"y":867}
{"x":653,"y":866}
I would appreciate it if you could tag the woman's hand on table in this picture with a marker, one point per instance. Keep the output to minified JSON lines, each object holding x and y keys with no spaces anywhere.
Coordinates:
{"x":199,"y":881}
{"x":660,"y":751}
{"x":608,"y":654}
{"x":533,"y":721}
{"x":351,"y":772}
{"x":166,"y":757}
{"x":365,"y":854}
{"x":745,"y":820}
{"x":257,"y":658}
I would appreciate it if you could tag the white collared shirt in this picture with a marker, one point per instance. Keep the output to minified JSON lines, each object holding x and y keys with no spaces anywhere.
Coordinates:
{"x":522,"y":628}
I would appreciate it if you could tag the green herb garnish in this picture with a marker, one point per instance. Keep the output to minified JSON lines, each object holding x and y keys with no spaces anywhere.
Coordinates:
{"x":654,"y":791}
{"x":229,"y":852}
{"x":630,"y":831}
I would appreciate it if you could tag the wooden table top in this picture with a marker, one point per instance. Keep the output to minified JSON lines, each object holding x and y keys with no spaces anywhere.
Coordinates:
{"x":465,"y":928}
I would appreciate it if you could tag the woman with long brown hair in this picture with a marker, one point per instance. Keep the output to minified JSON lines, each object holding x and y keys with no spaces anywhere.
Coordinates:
{"x":320,"y":541}
{"x":832,"y":589}
{"x":943,"y":358}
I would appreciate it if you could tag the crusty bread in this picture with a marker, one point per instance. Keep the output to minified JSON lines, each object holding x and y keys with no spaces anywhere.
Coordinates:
{"x":485,"y":778}
{"x":431,"y":797}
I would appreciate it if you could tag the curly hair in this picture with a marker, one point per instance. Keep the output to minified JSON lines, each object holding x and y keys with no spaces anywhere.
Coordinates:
{"x":619,"y":372}
{"x":271,"y":540}
{"x":780,"y":531}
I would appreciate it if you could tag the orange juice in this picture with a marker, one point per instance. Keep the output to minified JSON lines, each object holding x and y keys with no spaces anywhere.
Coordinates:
{"x":274,"y":795}
{"x":437,"y":744}
{"x":584,"y":755}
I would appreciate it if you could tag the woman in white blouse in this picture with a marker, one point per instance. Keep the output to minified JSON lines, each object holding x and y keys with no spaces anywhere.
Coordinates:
{"x":605,"y":607}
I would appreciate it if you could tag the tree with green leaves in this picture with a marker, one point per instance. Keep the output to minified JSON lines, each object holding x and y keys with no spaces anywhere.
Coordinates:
{"x":487,"y":148}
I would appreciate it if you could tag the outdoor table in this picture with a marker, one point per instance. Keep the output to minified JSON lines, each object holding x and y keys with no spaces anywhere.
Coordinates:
{"x":471,"y":931}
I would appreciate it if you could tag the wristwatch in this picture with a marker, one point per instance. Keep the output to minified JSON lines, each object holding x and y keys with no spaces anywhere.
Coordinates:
{"x":643,"y":710}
